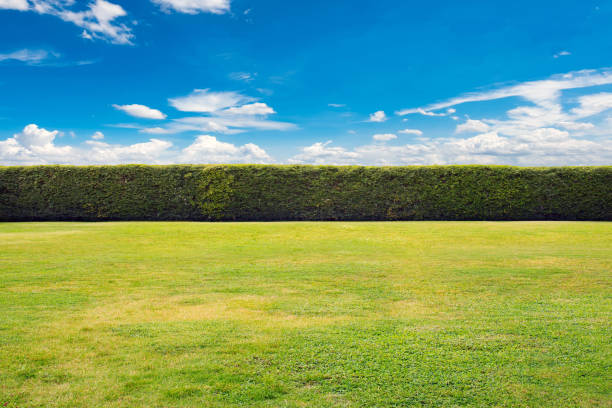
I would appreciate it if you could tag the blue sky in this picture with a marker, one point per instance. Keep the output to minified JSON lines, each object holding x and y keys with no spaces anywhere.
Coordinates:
{"x":318,"y":82}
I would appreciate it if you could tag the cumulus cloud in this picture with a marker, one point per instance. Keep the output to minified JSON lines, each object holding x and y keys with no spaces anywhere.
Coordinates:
{"x":154,"y":151}
{"x":141,"y":111}
{"x":195,"y":6}
{"x":384,"y":137}
{"x":546,"y":126}
{"x":323,"y":153}
{"x":472,"y":126}
{"x":205,"y":101}
{"x":544,"y":147}
{"x":35,"y":145}
{"x":378,"y":116}
{"x":207,"y":149}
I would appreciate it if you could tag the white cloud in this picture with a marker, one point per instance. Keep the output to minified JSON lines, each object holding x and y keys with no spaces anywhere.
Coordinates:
{"x":378,"y":116}
{"x":98,"y":20}
{"x":195,"y":6}
{"x":242,"y":76}
{"x":562,"y":54}
{"x":540,"y":131}
{"x":384,"y":137}
{"x":32,"y":136}
{"x":155,"y":131}
{"x":540,"y":93}
{"x":223,"y":112}
{"x":154,"y":151}
{"x":576,"y":125}
{"x":204,"y":101}
{"x":471,"y":125}
{"x":592,"y":105}
{"x":207,"y":149}
{"x":21,"y":5}
{"x":141,"y":111}
{"x":227,"y":124}
{"x":256,"y":108}
{"x":36,"y":145}
{"x":424,"y":112}
{"x":487,"y":144}
{"x":321,"y":153}
{"x":30,"y":57}
{"x":336,"y":105}
{"x":411,"y":132}
{"x":544,"y":147}
{"x":33,"y":145}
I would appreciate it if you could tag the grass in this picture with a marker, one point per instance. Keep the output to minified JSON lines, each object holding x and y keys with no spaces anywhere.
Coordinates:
{"x":305,"y":314}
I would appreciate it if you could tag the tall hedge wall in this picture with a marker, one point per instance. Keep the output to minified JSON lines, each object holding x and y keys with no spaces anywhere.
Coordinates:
{"x":253,"y":192}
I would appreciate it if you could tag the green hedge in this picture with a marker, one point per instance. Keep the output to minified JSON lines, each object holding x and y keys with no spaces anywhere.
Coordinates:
{"x":253,"y":192}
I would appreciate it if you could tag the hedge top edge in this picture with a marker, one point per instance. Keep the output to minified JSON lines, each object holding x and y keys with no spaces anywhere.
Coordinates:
{"x":301,"y":192}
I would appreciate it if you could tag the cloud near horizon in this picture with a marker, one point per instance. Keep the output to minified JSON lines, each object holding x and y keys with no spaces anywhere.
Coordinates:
{"x":546,"y":127}
{"x":35,"y":145}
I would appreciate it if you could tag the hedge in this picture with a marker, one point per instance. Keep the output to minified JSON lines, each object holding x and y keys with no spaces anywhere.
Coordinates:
{"x":268,"y":193}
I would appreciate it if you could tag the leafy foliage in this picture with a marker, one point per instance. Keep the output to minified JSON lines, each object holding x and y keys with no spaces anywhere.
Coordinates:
{"x":266,"y":193}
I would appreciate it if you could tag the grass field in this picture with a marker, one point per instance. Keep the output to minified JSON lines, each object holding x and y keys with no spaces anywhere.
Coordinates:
{"x":305,"y":314}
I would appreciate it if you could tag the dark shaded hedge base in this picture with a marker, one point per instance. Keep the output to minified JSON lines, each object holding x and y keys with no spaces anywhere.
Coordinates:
{"x":253,"y":192}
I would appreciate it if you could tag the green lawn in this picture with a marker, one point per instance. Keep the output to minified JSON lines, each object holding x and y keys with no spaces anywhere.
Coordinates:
{"x":305,"y":314}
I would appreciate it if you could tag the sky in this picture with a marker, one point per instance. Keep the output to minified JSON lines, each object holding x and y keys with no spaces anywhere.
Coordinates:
{"x":383,"y":82}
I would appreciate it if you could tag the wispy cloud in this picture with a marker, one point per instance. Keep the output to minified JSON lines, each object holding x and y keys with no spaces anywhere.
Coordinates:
{"x":223,"y":112}
{"x":243,"y":76}
{"x":562,"y":54}
{"x":195,"y":6}
{"x":29,"y":57}
{"x":99,"y":19}
{"x":41,"y":58}
{"x":546,"y":130}
{"x":538,"y":92}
